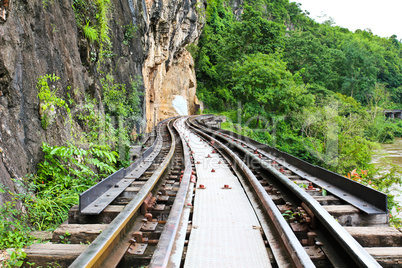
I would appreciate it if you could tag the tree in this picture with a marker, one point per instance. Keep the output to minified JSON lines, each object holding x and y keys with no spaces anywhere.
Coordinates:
{"x":377,"y":100}
{"x":304,"y":51}
{"x":361,"y":69}
{"x":254,"y":34}
{"x":264,"y":85}
{"x":335,"y":134}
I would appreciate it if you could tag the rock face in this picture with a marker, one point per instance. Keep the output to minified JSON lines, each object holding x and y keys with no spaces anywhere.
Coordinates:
{"x":33,"y":42}
{"x":237,"y":7}
{"x":40,"y":37}
{"x":168,"y":69}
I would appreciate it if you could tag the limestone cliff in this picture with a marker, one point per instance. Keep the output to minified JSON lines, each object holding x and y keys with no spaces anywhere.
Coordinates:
{"x":39,"y":37}
{"x":168,"y":69}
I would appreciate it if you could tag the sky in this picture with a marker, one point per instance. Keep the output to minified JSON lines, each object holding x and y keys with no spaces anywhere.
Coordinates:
{"x":383,"y":17}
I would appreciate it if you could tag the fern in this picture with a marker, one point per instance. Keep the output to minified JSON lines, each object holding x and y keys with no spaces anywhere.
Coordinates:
{"x":90,"y":33}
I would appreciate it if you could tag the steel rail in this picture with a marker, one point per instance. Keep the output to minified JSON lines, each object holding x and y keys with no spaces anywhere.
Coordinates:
{"x":351,"y":246}
{"x":293,"y":247}
{"x":362,"y":197}
{"x":109,"y":242}
{"x":94,"y":200}
{"x":168,"y":239}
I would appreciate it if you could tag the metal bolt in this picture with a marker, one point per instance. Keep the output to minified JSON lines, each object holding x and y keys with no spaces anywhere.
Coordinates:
{"x":148,"y":216}
{"x":310,"y":186}
{"x":138,"y":237}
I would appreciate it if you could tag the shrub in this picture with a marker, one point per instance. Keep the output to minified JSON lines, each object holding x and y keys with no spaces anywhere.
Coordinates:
{"x":129,"y":32}
{"x":49,"y":100}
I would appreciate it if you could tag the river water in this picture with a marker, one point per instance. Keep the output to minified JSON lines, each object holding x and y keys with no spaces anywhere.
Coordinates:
{"x":393,"y":153}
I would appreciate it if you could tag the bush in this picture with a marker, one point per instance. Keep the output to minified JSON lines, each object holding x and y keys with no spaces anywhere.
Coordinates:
{"x":62,"y":176}
{"x":49,"y":100}
{"x":398,"y":129}
{"x":14,"y":223}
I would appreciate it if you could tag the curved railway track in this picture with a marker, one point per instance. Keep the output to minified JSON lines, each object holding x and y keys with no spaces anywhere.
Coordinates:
{"x":149,"y":223}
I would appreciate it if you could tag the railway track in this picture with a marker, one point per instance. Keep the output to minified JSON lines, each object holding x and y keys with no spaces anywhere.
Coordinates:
{"x":155,"y":220}
{"x":315,"y":218}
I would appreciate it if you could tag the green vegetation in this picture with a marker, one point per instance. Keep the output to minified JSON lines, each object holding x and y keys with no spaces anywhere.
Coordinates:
{"x":64,"y":238}
{"x":313,"y":90}
{"x":49,"y":100}
{"x":45,"y":3}
{"x":382,"y":182}
{"x":66,"y":172}
{"x":92,"y":18}
{"x":13,"y":233}
{"x":103,"y":25}
{"x":268,"y":88}
{"x":69,"y":169}
{"x":16,"y":258}
{"x":129,"y":32}
{"x":97,"y":139}
{"x":125,"y":107}
{"x":90,"y":33}
{"x":289,"y":215}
